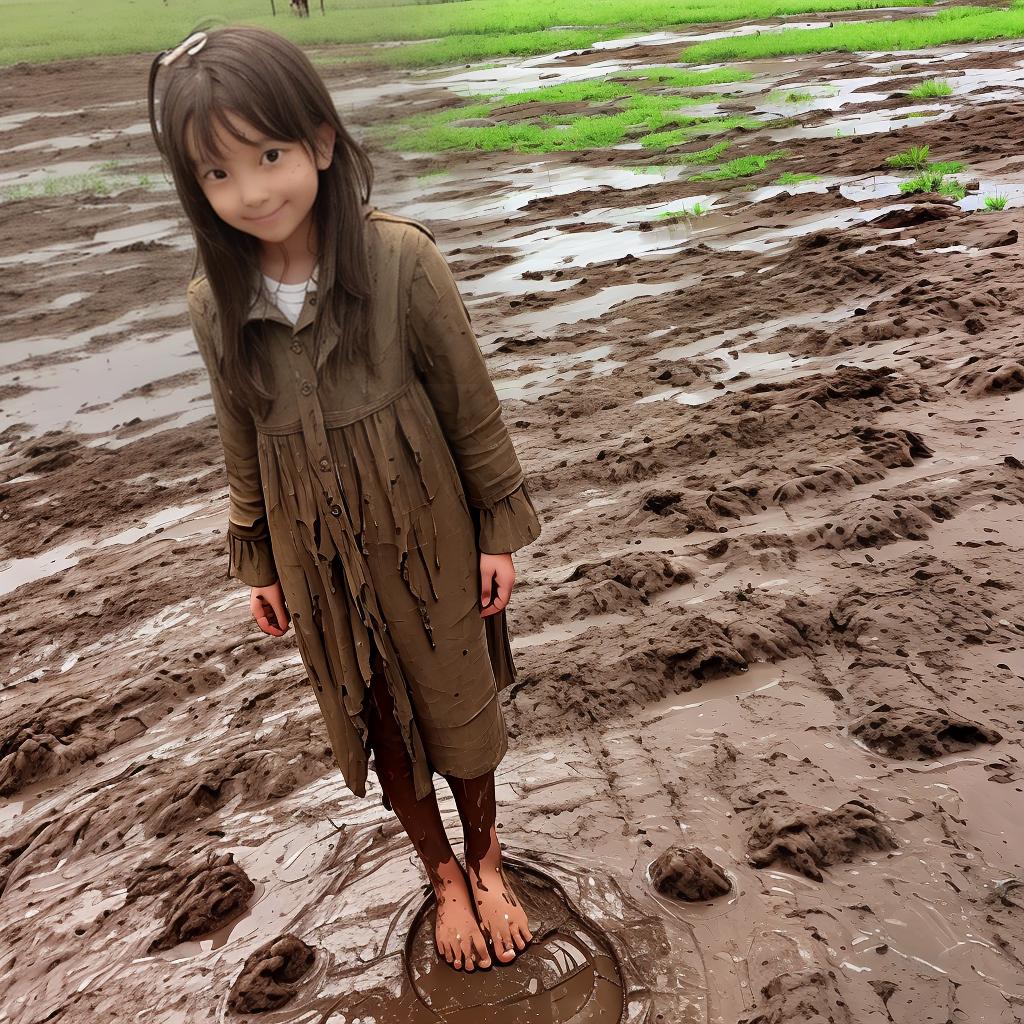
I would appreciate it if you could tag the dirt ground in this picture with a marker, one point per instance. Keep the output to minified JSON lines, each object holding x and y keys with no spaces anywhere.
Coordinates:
{"x":773,"y":620}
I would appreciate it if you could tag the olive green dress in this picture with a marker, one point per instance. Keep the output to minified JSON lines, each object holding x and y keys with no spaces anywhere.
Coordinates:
{"x":371,"y":500}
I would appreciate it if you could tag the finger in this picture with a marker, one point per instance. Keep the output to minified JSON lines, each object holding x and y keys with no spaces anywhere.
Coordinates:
{"x":485,"y":587}
{"x":280,"y":612}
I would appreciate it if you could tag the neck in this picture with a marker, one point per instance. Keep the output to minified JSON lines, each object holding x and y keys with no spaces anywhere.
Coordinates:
{"x":292,"y":260}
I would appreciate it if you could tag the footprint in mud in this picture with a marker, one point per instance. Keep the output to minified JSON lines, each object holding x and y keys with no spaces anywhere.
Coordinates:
{"x":919,"y":734}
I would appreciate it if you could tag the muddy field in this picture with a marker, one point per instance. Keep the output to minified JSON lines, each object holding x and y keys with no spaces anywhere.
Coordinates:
{"x":773,"y":617}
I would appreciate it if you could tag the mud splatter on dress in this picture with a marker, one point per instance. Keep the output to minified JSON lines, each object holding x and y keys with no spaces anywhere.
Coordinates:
{"x":370,"y":501}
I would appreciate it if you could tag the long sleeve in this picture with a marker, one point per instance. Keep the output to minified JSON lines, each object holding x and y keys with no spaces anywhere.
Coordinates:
{"x":250,"y":555}
{"x":451,"y":366}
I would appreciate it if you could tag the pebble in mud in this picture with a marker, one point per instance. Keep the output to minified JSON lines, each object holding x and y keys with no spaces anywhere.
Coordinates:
{"x":689,"y":874}
{"x":269,"y":976}
{"x":198,"y":898}
{"x":919,"y":734}
{"x":807,"y":838}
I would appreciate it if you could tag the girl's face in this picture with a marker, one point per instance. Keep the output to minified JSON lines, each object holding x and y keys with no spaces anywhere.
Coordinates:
{"x":264,"y":187}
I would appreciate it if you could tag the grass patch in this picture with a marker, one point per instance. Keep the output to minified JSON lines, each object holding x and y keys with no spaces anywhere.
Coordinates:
{"x":681,"y":78}
{"x":458,"y":33}
{"x":706,"y":156}
{"x":794,"y":179}
{"x":916,"y":159}
{"x":995,"y":202}
{"x":932,"y":181}
{"x":952,"y":25}
{"x":741,"y":167}
{"x":923,"y":113}
{"x":933,"y":87}
{"x":91,"y":183}
{"x":655,"y":121}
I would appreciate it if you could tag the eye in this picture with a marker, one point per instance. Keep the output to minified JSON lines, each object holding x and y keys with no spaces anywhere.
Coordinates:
{"x":275,"y":151}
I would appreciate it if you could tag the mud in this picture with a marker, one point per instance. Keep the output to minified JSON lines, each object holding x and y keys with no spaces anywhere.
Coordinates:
{"x":765,"y":758}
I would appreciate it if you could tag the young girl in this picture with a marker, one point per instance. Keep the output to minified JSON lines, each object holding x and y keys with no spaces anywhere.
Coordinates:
{"x":374,"y":494}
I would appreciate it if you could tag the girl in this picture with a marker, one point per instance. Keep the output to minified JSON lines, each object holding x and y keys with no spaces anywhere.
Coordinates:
{"x":375,"y":496}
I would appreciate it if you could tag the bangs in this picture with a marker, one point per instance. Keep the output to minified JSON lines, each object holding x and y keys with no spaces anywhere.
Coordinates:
{"x":208,"y":123}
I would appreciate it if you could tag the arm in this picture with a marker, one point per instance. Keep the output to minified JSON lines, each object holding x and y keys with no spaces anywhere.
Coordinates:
{"x":448,"y":360}
{"x":250,"y":556}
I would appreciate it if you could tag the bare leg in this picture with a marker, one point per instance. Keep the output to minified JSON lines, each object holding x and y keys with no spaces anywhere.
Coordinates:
{"x":457,"y":934}
{"x":502,"y":916}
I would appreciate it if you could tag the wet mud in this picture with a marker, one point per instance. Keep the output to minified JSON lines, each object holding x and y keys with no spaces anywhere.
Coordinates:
{"x":766,"y":735}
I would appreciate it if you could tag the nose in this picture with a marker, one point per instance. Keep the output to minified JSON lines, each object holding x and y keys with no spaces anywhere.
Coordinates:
{"x":253,"y":194}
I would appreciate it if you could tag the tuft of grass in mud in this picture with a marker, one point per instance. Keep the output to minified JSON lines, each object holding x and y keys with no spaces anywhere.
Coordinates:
{"x":936,"y":182}
{"x":432,"y":33}
{"x":951,"y":25}
{"x":706,"y":156}
{"x":914,"y":158}
{"x":683,"y":78}
{"x":697,"y":210}
{"x":789,"y":178}
{"x":933,"y":87}
{"x":741,"y":167}
{"x":91,"y":183}
{"x":995,"y":202}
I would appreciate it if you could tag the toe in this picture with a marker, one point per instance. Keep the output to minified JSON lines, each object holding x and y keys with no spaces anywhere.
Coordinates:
{"x":483,"y":958}
{"x":517,"y":938}
{"x":503,"y":949}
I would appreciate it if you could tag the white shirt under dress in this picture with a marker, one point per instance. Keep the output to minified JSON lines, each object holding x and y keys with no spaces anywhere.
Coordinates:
{"x":289,"y":298}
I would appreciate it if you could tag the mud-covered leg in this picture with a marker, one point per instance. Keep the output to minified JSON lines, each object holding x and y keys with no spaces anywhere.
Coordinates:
{"x":457,"y":933}
{"x":502,"y":916}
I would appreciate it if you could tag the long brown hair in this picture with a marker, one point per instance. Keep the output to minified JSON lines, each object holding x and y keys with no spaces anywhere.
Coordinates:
{"x":268,"y":81}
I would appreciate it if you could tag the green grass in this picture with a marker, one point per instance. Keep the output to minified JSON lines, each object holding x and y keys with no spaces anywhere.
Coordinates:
{"x":995,"y":202}
{"x":741,"y":167}
{"x":706,"y":156}
{"x":655,"y":121}
{"x":914,"y":158}
{"x":933,"y":87}
{"x":458,"y":33}
{"x":697,"y":210}
{"x":794,"y":179}
{"x":92,"y":183}
{"x":933,"y":181}
{"x":923,"y":113}
{"x":951,"y":25}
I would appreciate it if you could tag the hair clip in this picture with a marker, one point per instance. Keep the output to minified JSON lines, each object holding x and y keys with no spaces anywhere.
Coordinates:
{"x":192,"y":46}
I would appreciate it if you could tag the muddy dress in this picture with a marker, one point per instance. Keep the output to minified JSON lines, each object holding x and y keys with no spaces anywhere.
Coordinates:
{"x":371,"y":500}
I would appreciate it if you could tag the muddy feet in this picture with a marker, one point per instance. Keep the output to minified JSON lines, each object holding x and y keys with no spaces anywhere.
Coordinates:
{"x":502,"y":918}
{"x":456,"y":934}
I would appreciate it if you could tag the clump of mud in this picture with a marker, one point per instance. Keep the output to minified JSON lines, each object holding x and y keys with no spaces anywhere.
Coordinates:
{"x":919,"y":734}
{"x":807,"y":838}
{"x":689,"y":874}
{"x":269,"y":976}
{"x":198,"y":898}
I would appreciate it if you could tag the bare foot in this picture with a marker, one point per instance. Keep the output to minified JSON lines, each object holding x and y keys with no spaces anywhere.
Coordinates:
{"x":456,"y":933}
{"x":502,"y":918}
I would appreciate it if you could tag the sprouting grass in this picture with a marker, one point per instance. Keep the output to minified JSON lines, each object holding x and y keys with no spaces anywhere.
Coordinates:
{"x":932,"y":181}
{"x":790,"y":97}
{"x":438,"y":33}
{"x":706,"y":156}
{"x":92,"y":183}
{"x":741,"y":167}
{"x":952,"y":25}
{"x":923,"y":113}
{"x":995,"y":202}
{"x":933,"y":87}
{"x":789,"y":178}
{"x":914,"y":158}
{"x":697,"y":210}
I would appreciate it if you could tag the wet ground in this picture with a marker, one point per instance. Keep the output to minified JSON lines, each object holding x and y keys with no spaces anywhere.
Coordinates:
{"x":773,"y":616}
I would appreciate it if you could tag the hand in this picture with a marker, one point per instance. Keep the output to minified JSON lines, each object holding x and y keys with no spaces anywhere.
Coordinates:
{"x":499,"y":570}
{"x":267,"y":607}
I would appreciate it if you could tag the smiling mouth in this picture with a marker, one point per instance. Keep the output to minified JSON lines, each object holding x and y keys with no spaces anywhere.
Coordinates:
{"x":268,"y":216}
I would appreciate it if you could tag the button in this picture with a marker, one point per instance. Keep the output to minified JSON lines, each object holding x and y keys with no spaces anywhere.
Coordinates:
{"x":312,"y":300}
{"x":296,"y":346}
{"x":325,"y":465}
{"x":306,"y":388}
{"x":335,"y":510}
